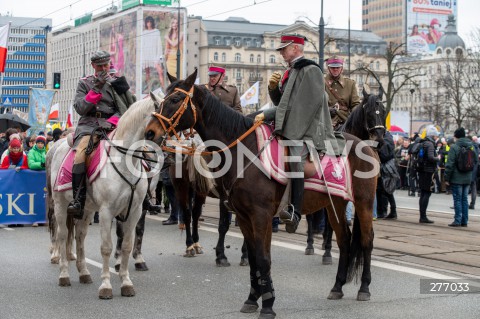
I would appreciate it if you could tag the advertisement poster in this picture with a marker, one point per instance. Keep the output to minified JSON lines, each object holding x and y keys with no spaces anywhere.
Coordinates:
{"x":162,"y":36}
{"x":426,"y":22}
{"x":118,"y":36}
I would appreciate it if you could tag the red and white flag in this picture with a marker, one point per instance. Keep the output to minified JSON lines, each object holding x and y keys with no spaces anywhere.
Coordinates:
{"x":4,"y":31}
{"x":53,"y":112}
{"x":70,"y":116}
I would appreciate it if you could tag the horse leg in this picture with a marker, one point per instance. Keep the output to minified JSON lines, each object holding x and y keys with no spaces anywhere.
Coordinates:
{"x":264,"y":262}
{"x":223,"y":226}
{"x":251,"y":304}
{"x":309,"y":250}
{"x":70,"y":226}
{"x":327,"y":241}
{"x":244,"y":258}
{"x":196,"y":212}
{"x":343,"y":236}
{"x":118,"y":248}
{"x":361,"y":248}
{"x":127,"y":289}
{"x":105,"y":289}
{"x":61,"y":238}
{"x":186,"y":208}
{"x":140,"y":263}
{"x":80,"y":233}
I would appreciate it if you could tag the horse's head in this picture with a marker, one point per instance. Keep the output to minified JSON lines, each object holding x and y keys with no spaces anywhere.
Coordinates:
{"x":175,"y":113}
{"x":375,"y":115}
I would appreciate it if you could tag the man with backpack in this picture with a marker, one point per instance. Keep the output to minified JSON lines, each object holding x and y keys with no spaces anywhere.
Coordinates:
{"x":462,"y":158}
{"x":426,"y":164}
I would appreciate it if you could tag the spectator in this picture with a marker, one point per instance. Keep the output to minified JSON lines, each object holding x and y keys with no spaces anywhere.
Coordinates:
{"x":384,"y":196}
{"x":15,"y":159}
{"x":403,"y":157}
{"x":36,"y":156}
{"x":5,"y":140}
{"x":473,"y":183}
{"x":459,"y":181}
{"x":11,"y":137}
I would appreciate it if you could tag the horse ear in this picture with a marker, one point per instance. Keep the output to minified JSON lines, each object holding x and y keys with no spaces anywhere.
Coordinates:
{"x":155,"y":100}
{"x":364,"y":93}
{"x":190,"y":81}
{"x":171,"y":78}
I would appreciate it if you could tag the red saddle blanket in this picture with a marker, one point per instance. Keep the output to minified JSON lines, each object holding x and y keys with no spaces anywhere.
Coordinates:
{"x":336,"y":170}
{"x":98,"y":159}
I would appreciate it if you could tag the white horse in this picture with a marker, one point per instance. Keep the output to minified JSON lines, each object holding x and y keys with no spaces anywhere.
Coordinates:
{"x":118,"y":191}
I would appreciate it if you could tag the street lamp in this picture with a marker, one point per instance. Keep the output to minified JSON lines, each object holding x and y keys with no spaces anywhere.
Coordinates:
{"x":411,"y":111}
{"x":321,"y":36}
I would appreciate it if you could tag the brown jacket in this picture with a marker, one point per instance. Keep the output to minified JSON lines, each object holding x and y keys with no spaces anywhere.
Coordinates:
{"x":228,"y":94}
{"x":346,"y":90}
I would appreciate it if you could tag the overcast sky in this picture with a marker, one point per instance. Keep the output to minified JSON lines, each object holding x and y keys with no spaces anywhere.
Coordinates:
{"x":335,"y":12}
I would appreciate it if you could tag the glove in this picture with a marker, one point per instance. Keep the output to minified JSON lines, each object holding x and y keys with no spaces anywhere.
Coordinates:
{"x":17,"y":169}
{"x":274,"y":79}
{"x":333,"y":111}
{"x":259,"y":117}
{"x":42,"y":165}
{"x":100,"y":81}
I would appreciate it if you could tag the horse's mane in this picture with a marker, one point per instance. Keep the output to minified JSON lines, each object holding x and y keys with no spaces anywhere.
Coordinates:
{"x":356,"y":122}
{"x":134,"y":117}
{"x":225,"y":118}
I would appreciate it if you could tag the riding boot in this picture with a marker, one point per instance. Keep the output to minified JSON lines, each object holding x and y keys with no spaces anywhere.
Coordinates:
{"x":79,"y":188}
{"x":293,"y":214}
{"x":146,"y":205}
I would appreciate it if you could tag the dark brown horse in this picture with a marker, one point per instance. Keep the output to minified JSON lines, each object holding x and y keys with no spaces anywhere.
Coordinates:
{"x":255,"y":197}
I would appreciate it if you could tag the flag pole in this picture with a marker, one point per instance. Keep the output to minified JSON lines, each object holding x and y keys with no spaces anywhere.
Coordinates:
{"x":1,"y":78}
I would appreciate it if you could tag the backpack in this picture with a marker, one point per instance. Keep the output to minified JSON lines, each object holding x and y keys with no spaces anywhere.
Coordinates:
{"x":390,"y":176}
{"x":466,"y":159}
{"x":419,"y":156}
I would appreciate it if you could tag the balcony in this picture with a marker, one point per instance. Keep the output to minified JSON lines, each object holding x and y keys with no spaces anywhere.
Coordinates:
{"x":254,"y":79}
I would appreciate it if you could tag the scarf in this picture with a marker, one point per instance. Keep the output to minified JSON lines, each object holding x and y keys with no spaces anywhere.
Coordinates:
{"x":15,"y":157}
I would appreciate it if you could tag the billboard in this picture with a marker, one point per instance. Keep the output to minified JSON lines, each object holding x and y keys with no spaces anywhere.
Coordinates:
{"x":163,"y":35}
{"x":426,"y":22}
{"x":119,"y":37}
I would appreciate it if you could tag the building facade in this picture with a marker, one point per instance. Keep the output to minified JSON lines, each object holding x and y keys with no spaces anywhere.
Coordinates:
{"x":26,"y":64}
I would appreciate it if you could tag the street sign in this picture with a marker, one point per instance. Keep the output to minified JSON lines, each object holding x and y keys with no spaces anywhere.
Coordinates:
{"x":7,"y":101}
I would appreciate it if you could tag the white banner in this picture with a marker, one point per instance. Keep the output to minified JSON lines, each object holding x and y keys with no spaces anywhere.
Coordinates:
{"x":250,"y":96}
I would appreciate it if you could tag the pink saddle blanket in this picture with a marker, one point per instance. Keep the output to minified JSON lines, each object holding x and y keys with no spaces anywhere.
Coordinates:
{"x":98,"y":159}
{"x":336,"y":170}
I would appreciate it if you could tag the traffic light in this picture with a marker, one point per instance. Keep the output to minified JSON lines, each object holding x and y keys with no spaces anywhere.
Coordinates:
{"x":56,"y":81}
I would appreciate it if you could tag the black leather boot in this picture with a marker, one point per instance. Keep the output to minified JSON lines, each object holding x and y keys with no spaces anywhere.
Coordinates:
{"x":76,"y":206}
{"x":153,"y":209}
{"x":293,"y":214}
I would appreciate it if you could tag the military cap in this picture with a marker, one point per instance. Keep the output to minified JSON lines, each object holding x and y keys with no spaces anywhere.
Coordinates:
{"x":100,"y":57}
{"x":335,"y":62}
{"x":288,"y":39}
{"x":214,"y":70}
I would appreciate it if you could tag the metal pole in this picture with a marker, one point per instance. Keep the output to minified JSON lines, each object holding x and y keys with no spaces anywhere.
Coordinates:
{"x":348,"y":37}
{"x":411,"y":111}
{"x":178,"y":42}
{"x":83,"y":40}
{"x":321,"y":41}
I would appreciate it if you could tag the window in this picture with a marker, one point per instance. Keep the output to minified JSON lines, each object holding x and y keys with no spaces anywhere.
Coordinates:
{"x":217,"y":41}
{"x":272,"y":58}
{"x":377,"y":65}
{"x":259,"y":58}
{"x":237,"y":42}
{"x":224,"y":57}
{"x":252,"y":58}
{"x":215,"y":56}
{"x":272,"y":44}
{"x":238,"y":74}
{"x":228,"y":41}
{"x":238,"y":57}
{"x":248,"y":43}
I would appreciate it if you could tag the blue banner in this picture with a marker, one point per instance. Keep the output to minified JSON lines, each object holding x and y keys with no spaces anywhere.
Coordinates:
{"x":39,"y":104}
{"x":22,"y":196}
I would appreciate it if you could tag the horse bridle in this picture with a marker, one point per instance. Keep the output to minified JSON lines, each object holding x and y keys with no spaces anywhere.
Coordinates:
{"x":377,"y":119}
{"x":172,"y":122}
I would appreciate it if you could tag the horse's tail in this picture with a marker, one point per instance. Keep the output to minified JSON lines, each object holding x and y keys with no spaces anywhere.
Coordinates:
{"x":202,"y":180}
{"x":355,"y":259}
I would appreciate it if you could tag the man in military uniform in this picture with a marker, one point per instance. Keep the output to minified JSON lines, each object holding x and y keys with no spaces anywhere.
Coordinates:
{"x":100,"y":100}
{"x":342,"y":92}
{"x":228,"y":94}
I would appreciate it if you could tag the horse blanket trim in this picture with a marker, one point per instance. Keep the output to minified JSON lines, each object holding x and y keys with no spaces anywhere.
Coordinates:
{"x":98,"y":160}
{"x":337,"y":171}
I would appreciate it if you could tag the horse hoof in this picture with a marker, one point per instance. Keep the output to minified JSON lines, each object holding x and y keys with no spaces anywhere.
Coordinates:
{"x":189,"y":253}
{"x":71,"y":257}
{"x":267,"y":314}
{"x":54,"y":260}
{"x":141,"y":266}
{"x":249,"y":307}
{"x":128,"y":291}
{"x":117,"y":268}
{"x":335,"y":295}
{"x":198,"y":250}
{"x":85,"y":279}
{"x":363,"y":296}
{"x":105,"y":293}
{"x":222,"y":263}
{"x":327,"y":260}
{"x":244,"y":262}
{"x":309,"y":251}
{"x":64,"y":282}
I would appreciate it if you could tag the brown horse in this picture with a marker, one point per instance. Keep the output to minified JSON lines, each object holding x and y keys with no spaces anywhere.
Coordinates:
{"x":255,"y":197}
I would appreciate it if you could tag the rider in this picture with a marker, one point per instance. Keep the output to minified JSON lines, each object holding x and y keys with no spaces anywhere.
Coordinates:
{"x":342,"y":92}
{"x":301,"y":116}
{"x":100,"y":100}
{"x":228,"y":94}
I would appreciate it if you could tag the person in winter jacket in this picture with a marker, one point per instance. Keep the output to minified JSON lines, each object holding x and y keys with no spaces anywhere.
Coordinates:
{"x":15,"y":159}
{"x":36,"y":156}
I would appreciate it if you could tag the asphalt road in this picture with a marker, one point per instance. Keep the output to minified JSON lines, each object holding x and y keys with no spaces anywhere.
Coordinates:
{"x":178,"y":287}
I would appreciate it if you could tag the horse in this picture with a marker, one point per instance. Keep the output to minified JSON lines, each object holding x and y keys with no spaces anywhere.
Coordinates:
{"x":125,"y":181}
{"x":255,"y":197}
{"x":367,"y":122}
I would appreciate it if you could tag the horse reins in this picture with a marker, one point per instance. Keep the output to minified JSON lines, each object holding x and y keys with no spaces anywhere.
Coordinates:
{"x":173,"y":122}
